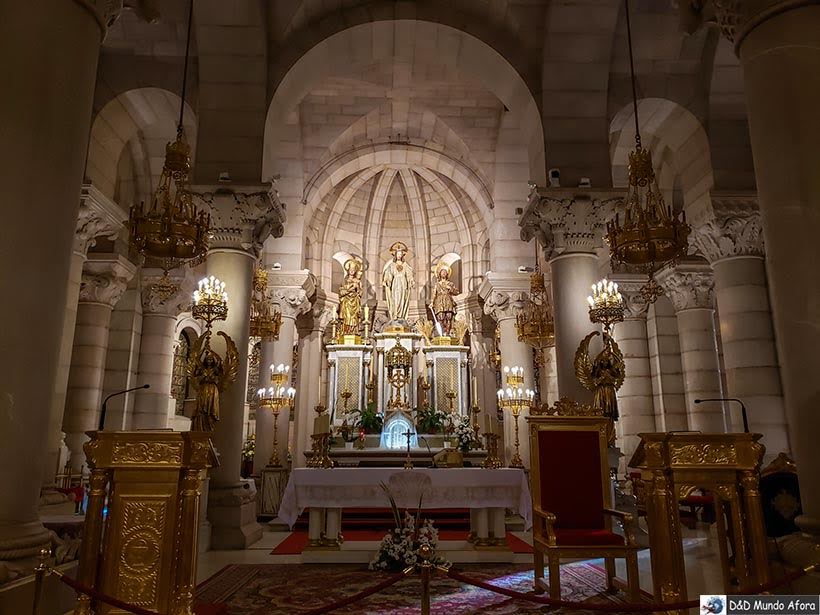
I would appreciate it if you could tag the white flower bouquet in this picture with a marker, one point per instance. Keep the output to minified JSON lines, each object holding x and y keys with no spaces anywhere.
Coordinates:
{"x":463,"y":431}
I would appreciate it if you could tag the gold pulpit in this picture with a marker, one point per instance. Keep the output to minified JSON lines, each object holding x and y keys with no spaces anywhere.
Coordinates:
{"x":672,"y":465}
{"x":140,"y":536}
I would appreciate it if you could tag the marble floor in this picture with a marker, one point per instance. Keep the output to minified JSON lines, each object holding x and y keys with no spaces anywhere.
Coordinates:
{"x":703,"y":573}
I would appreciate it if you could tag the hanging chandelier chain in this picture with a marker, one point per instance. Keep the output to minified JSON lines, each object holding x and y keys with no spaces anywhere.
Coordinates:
{"x":631,"y":74}
{"x":185,"y":67}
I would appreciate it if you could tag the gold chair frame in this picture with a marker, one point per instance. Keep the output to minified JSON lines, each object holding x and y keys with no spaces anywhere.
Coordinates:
{"x":544,"y":538}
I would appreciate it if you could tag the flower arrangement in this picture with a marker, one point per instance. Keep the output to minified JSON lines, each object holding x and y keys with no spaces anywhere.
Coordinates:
{"x":430,"y":420}
{"x":249,"y":447}
{"x":463,"y":431}
{"x":400,"y":547}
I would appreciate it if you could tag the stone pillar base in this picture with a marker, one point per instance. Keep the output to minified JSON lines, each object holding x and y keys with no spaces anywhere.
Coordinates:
{"x":232,"y":513}
{"x":21,"y":543}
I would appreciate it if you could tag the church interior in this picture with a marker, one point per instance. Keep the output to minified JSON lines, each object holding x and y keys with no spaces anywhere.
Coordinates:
{"x":408,"y":306}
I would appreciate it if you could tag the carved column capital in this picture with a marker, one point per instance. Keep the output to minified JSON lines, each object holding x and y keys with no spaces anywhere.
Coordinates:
{"x":564,"y":220}
{"x":292,"y":302}
{"x":99,"y":216}
{"x":505,"y":295}
{"x":734,"y":230}
{"x":629,"y":285}
{"x":242,"y":218}
{"x":105,"y":278}
{"x":734,"y":18}
{"x":689,"y":286}
{"x":158,"y":298}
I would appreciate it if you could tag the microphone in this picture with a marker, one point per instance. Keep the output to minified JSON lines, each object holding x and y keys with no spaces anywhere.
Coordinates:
{"x":429,"y":452}
{"x":101,"y":426}
{"x":735,"y":399}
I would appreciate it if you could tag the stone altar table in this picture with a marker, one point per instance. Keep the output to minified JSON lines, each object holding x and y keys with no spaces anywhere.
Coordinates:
{"x":487,"y":493}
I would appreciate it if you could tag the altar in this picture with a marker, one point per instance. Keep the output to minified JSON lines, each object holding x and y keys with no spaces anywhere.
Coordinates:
{"x":327,"y":492}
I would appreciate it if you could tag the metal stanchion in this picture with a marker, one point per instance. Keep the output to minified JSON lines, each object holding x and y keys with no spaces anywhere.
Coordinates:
{"x":40,"y":572}
{"x":426,"y":554}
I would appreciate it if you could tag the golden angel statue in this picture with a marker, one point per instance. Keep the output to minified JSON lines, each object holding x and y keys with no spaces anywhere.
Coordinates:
{"x":603,"y":376}
{"x":398,"y":281}
{"x":444,"y":307}
{"x":211,"y":375}
{"x":350,"y":297}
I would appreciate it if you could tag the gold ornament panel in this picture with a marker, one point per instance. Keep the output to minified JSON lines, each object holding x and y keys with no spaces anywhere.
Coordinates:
{"x":446,"y":374}
{"x":147,"y":452}
{"x":143,"y":525}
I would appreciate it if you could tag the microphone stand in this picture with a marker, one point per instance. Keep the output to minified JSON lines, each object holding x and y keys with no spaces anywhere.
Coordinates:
{"x":735,"y":399}
{"x":429,"y":452}
{"x":101,"y":425}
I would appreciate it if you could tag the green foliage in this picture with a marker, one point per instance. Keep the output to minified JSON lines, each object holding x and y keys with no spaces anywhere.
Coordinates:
{"x":430,"y":420}
{"x":370,"y":420}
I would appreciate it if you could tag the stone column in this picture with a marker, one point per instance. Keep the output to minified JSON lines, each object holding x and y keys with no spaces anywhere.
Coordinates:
{"x":309,"y":392}
{"x":482,"y":370}
{"x":291,"y":297}
{"x":104,"y":280}
{"x":733,"y":242}
{"x":264,"y":416}
{"x":505,"y":295}
{"x":156,"y":354}
{"x":242,"y":218}
{"x":665,"y":367}
{"x":99,"y":216}
{"x":690,"y":286}
{"x":778,"y":47}
{"x":637,"y":412}
{"x":43,"y":142}
{"x":569,"y":225}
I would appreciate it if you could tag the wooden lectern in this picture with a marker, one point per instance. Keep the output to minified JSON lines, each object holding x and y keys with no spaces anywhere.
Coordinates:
{"x":727,"y":465}
{"x":140,"y":536}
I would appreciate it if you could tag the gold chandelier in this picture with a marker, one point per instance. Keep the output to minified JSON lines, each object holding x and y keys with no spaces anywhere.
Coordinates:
{"x":172,"y":231}
{"x":650,"y":235}
{"x":606,"y":304}
{"x":535,"y":324}
{"x":263,"y":324}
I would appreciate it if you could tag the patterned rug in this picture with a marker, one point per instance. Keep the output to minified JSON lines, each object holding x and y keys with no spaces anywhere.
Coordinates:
{"x":280,"y":589}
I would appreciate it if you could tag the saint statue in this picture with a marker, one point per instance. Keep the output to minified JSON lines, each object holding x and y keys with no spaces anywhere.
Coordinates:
{"x":350,"y":297}
{"x":398,"y":281}
{"x":444,"y":307}
{"x":210,"y":375}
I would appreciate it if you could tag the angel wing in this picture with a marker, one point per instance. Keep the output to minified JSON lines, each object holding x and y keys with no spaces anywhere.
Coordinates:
{"x":230,"y":366}
{"x":619,"y":361}
{"x":195,"y":361}
{"x":583,"y":363}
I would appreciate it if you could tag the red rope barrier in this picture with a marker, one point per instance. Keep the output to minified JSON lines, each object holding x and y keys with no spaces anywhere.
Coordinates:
{"x":360,"y":596}
{"x":93,"y":593}
{"x":620,"y":608}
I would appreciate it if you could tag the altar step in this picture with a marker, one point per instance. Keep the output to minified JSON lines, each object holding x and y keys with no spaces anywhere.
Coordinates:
{"x":382,"y":519}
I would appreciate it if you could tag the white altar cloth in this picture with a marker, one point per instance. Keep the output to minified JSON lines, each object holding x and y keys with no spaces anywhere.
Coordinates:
{"x":474,"y":488}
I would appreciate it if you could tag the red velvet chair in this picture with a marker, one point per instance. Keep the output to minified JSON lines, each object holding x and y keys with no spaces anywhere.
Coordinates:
{"x":571,"y":500}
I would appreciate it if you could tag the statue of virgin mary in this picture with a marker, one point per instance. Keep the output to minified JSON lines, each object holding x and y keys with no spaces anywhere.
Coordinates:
{"x":398,"y":280}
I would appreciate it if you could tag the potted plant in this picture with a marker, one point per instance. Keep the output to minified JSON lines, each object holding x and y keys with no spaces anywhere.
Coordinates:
{"x":370,"y":420}
{"x":463,"y":431}
{"x":429,"y":420}
{"x":248,"y":451}
{"x":348,"y":434}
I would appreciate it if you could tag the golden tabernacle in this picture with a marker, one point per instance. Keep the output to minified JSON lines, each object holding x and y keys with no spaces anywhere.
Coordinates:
{"x":144,"y":552}
{"x":725,"y":465}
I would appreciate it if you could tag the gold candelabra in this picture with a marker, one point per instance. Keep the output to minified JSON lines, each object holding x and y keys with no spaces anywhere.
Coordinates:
{"x":477,"y":438}
{"x":277,"y":396}
{"x":515,"y":398}
{"x":492,"y":461}
{"x":346,"y":395}
{"x":263,"y":323}
{"x":451,"y":401}
{"x":606,"y":305}
{"x":534,"y":323}
{"x":650,"y":234}
{"x":210,"y":302}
